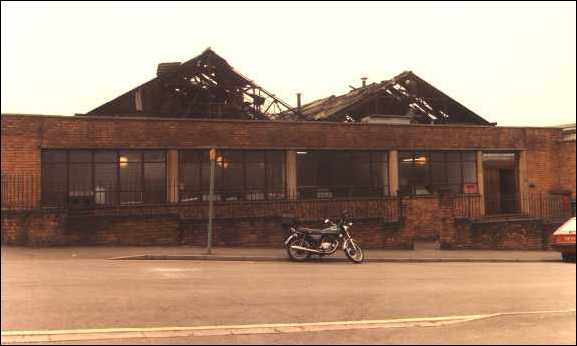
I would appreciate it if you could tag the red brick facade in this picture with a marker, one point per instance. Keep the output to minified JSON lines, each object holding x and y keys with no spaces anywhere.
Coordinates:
{"x":550,"y":166}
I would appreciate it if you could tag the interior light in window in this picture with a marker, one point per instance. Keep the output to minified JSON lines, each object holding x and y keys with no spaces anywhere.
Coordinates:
{"x":123,"y":161}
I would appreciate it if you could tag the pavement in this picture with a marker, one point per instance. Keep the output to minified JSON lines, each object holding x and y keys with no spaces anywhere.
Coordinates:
{"x":423,"y":253}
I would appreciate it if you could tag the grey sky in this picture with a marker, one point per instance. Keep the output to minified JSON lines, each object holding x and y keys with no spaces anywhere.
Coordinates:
{"x":513,"y":63}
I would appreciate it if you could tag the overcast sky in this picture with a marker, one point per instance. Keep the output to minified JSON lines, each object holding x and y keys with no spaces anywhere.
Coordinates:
{"x":513,"y":63}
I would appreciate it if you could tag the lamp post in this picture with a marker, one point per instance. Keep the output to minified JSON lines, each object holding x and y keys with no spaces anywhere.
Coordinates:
{"x":212,"y":157}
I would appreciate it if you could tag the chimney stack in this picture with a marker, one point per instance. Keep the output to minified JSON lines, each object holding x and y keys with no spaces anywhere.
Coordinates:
{"x":364,"y":80}
{"x":167,"y":68}
{"x":299,"y":104}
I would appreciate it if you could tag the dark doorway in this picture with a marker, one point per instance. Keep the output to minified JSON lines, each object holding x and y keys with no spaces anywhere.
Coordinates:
{"x":500,"y":172}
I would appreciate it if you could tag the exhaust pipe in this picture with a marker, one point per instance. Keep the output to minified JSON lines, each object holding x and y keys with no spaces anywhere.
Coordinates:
{"x":295,"y":247}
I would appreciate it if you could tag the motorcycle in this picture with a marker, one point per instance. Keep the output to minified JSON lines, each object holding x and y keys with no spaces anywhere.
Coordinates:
{"x":302,"y":242}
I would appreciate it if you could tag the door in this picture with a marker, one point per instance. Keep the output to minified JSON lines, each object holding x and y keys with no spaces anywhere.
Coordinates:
{"x":500,"y":178}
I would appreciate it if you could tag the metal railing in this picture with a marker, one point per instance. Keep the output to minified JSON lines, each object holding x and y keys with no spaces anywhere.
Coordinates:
{"x":468,"y":206}
{"x":549,"y":207}
{"x":25,"y":193}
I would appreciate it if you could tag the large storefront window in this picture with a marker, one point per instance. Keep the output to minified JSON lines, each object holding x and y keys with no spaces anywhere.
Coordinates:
{"x":82,"y":178}
{"x":239,"y":175}
{"x":333,"y":174}
{"x":423,"y":173}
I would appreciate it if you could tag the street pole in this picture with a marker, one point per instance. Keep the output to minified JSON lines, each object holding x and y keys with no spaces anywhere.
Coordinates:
{"x":211,"y":200}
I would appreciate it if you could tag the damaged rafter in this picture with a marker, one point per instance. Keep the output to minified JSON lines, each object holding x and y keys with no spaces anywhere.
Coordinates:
{"x":203,"y":87}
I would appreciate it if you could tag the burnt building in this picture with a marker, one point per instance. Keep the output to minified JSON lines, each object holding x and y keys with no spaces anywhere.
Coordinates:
{"x":406,"y":160}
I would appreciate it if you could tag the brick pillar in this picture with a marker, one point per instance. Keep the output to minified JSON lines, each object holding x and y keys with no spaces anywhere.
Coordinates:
{"x":291,"y":174}
{"x":481,"y":182}
{"x":394,"y":172}
{"x":522,"y":182}
{"x":172,"y":176}
{"x":446,"y":216}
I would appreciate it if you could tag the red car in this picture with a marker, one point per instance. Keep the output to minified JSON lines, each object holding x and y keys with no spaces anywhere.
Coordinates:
{"x":564,"y":240}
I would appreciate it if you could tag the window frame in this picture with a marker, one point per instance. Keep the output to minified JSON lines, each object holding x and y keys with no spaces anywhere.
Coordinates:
{"x":434,"y":186}
{"x":240,"y":157}
{"x":375,"y":158}
{"x":118,"y":186}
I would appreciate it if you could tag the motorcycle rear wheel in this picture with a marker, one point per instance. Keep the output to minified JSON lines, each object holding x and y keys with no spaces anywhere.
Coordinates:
{"x":297,"y":255}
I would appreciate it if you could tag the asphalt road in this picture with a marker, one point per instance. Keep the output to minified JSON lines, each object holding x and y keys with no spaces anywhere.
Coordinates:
{"x":547,"y":329}
{"x":41,"y":294}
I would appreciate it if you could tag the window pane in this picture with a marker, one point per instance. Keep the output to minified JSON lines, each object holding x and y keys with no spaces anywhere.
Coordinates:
{"x":80,"y":156}
{"x":379,"y":174}
{"x":454,"y":156}
{"x":131,"y":177}
{"x":154,"y":156}
{"x":194,"y":163}
{"x":437,"y":156}
{"x":105,"y":156}
{"x":439,"y":172}
{"x":414,"y":174}
{"x":276,"y":179}
{"x":155,"y":182}
{"x":130,"y":156}
{"x":254,"y":156}
{"x":54,"y":187}
{"x":469,"y":172}
{"x":454,"y":173}
{"x":276,"y":156}
{"x":231,"y":155}
{"x":54,"y":156}
{"x":307,"y":169}
{"x":406,"y":156}
{"x":255,"y":176}
{"x":105,"y":183}
{"x":80,"y":178}
{"x":469,"y":156}
{"x":80,"y":189}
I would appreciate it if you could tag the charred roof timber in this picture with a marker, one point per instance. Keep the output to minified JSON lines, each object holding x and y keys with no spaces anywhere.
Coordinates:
{"x":203,"y":87}
{"x":406,"y":95}
{"x":208,"y":87}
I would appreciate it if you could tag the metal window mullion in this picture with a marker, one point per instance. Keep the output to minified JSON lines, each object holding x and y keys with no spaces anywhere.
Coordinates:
{"x":142,"y":184}
{"x":118,"y":183}
{"x":67,"y":197}
{"x":266,"y":175}
{"x":243,"y":163}
{"x":93,"y":169}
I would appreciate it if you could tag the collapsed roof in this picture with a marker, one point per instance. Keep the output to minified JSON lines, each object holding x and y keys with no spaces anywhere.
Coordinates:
{"x":208,"y":87}
{"x":405,"y":95}
{"x":203,"y":87}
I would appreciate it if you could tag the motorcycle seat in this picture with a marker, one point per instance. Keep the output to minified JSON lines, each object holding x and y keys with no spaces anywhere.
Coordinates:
{"x":318,"y":231}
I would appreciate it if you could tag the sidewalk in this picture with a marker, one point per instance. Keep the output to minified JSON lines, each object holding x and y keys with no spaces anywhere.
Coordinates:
{"x":420,"y":255}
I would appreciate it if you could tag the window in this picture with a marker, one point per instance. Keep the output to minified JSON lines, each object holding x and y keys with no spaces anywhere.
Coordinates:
{"x":331,"y":174}
{"x":422,"y":173}
{"x":239,"y":175}
{"x":54,"y":177}
{"x":81,"y":178}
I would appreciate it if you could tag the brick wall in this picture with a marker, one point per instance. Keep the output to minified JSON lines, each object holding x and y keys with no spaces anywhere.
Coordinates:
{"x":513,"y":234}
{"x":236,"y":224}
{"x":566,"y":170}
{"x":23,"y":136}
{"x":421,"y":217}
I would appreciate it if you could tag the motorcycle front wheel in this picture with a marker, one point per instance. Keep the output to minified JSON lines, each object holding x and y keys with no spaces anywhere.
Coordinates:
{"x":354,"y":251}
{"x":297,"y":255}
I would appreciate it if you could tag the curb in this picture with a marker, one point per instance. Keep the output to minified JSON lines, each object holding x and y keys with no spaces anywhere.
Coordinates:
{"x":325,"y":260}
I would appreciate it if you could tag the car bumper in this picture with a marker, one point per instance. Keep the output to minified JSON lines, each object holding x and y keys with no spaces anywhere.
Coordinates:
{"x":564,"y":248}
